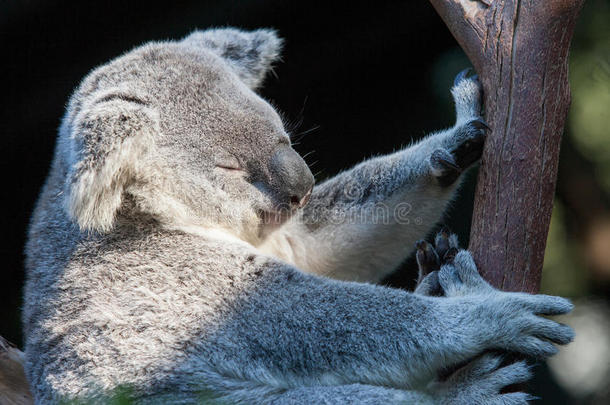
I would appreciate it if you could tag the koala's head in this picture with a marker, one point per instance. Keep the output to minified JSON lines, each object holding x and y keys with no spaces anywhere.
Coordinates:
{"x":175,"y":130}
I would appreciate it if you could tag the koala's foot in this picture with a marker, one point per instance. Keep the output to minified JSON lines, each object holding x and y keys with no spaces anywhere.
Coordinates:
{"x":430,"y":258}
{"x":463,"y":145}
{"x":481,"y":382}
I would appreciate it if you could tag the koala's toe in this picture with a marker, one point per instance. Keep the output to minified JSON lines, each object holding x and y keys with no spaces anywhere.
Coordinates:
{"x":461,"y":76}
{"x":556,"y":332}
{"x":444,"y":167}
{"x":479,"y":123}
{"x":467,"y":270}
{"x":431,"y":257}
{"x":427,"y":258}
{"x":515,"y":373}
{"x":446,"y":245}
{"x":449,"y":256}
{"x":449,"y":280}
{"x":464,"y":149}
{"x":429,"y":285}
{"x":537,"y":348}
{"x":441,"y":241}
{"x":485,"y":364}
{"x":467,"y":92}
{"x":470,"y":149}
{"x":516,"y":398}
{"x":548,"y":304}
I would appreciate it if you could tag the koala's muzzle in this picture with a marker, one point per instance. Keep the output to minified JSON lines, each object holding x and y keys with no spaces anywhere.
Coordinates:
{"x":292,"y":177}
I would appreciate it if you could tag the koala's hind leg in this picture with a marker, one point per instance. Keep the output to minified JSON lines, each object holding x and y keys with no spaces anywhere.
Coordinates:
{"x":347,"y":395}
{"x":479,"y":382}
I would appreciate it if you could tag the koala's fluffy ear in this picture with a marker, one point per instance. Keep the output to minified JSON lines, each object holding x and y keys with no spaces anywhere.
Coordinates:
{"x":106,"y":142}
{"x":249,"y":53}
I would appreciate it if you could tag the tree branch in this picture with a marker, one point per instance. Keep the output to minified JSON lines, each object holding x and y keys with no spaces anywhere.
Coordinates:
{"x":520,"y":50}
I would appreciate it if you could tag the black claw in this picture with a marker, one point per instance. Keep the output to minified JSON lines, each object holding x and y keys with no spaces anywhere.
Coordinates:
{"x":427,"y":253}
{"x":442,"y":242}
{"x":471,"y":149}
{"x":430,"y":257}
{"x":450,"y":255}
{"x":460,"y":76}
{"x":421,"y":245}
{"x":445,"y":231}
{"x":427,"y":259}
{"x":450,"y":165}
{"x":479,"y":123}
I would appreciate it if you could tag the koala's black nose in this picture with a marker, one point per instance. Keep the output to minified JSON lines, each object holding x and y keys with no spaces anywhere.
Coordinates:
{"x":291,"y":176}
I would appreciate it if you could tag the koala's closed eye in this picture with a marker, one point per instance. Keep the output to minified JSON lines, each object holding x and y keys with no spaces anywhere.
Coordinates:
{"x":229,"y":162}
{"x":226,"y":166}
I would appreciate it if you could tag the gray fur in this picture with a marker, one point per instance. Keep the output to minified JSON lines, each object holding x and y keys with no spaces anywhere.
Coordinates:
{"x":167,"y":253}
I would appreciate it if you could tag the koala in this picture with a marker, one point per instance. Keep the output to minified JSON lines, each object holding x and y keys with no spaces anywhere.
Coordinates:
{"x":180,"y":251}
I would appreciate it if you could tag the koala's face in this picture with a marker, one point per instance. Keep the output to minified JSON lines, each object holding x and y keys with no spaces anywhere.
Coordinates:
{"x":228,"y":145}
{"x":221,"y":156}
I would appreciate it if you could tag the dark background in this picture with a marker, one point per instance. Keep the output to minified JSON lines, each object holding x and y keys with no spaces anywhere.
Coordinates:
{"x":357,"y":79}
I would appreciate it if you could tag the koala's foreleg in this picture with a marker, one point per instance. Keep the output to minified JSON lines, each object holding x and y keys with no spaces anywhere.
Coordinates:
{"x":308,"y":331}
{"x":361,"y":224}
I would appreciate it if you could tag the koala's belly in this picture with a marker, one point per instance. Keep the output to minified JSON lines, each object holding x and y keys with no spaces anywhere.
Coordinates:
{"x":136,"y":316}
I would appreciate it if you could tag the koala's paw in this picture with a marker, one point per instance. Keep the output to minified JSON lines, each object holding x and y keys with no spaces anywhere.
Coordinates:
{"x":430,"y":258}
{"x":444,"y":269}
{"x":514,"y":323}
{"x":481,"y":382}
{"x":506,"y":320}
{"x":463,"y":144}
{"x":464,"y":147}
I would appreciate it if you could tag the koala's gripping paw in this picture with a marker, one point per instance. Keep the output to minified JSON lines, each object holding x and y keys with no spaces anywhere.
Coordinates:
{"x":481,"y":381}
{"x":500,"y":320}
{"x":464,"y":142}
{"x":446,"y":270}
{"x":430,"y":258}
{"x":506,"y":320}
{"x":466,"y":146}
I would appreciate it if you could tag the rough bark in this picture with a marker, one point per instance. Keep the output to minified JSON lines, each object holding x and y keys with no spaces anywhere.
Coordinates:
{"x":14,"y":388}
{"x":519,"y":48}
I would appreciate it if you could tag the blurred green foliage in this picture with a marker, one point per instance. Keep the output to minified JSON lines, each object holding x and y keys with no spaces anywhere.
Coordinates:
{"x":563,"y":274}
{"x":589,"y":119}
{"x":588,"y":129}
